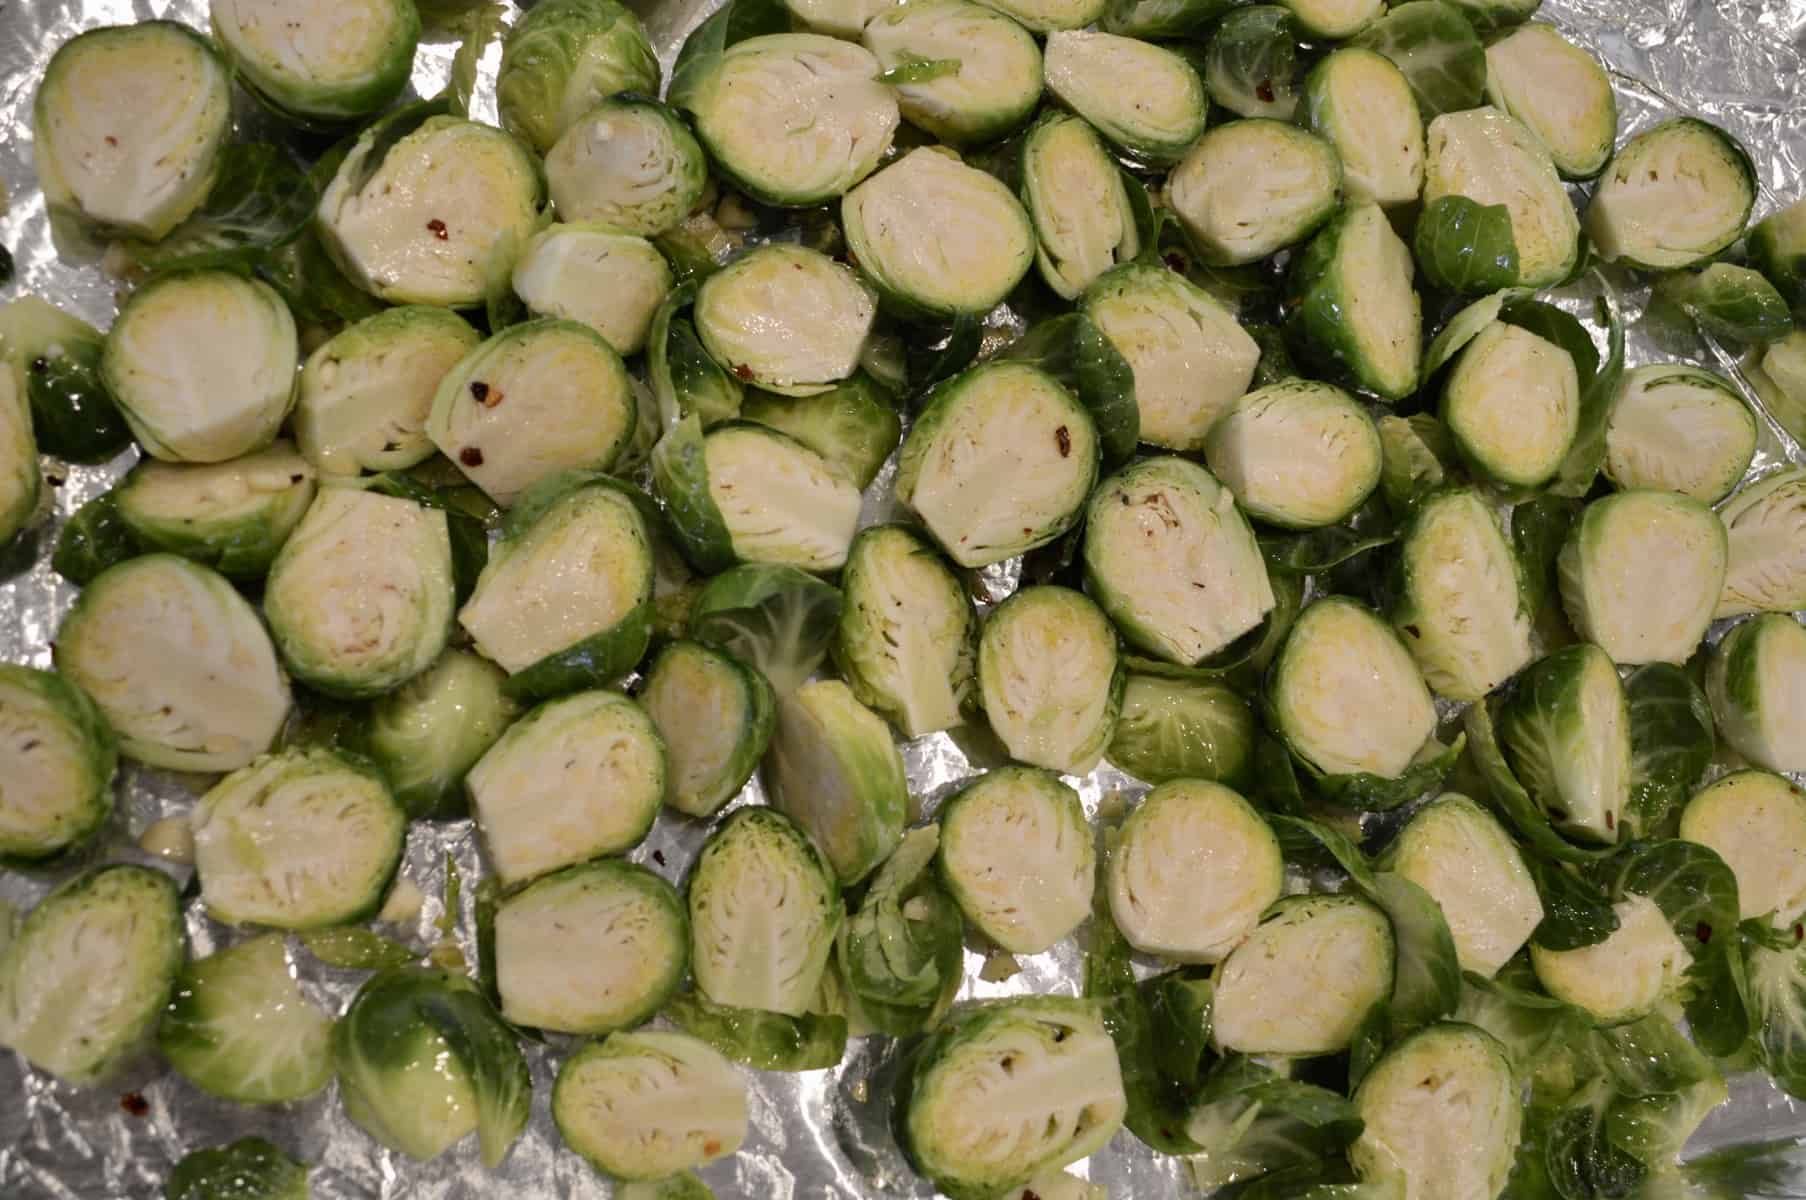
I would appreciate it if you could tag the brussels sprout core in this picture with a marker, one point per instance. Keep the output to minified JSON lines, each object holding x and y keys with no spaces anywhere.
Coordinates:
{"x":1248,"y":188}
{"x":1754,"y":681}
{"x":1756,"y":822}
{"x":995,"y":86}
{"x":1512,"y":403}
{"x":1142,"y":97}
{"x":632,"y":164}
{"x":1560,"y":93}
{"x":1460,"y":854}
{"x":1675,"y":195}
{"x":321,"y":62}
{"x":1018,"y":856}
{"x":1624,"y":977}
{"x":1641,"y":573}
{"x":61,"y":790}
{"x":1766,"y":569}
{"x":1049,"y":678}
{"x":1304,"y":979}
{"x":1079,"y":201}
{"x":1298,"y":453}
{"x":610,"y":281}
{"x":1679,"y":429}
{"x":648,"y":1105}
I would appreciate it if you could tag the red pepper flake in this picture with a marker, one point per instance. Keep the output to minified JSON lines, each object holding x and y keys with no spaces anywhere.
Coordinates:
{"x":1609,"y":821}
{"x":658,"y":856}
{"x":743,"y":371}
{"x":438,"y":229}
{"x":132,"y":1102}
{"x":1264,"y":89}
{"x":111,"y":140}
{"x":470,"y":456}
{"x":1799,"y":931}
{"x":1703,"y":932}
{"x":479,"y":390}
{"x":1064,"y":438}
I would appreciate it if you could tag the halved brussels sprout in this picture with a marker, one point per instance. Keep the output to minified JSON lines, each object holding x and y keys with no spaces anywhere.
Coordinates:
{"x":1491,"y":157}
{"x":1673,"y":196}
{"x":1778,"y":377}
{"x":1191,"y":357}
{"x":1252,"y":61}
{"x":366,"y":394}
{"x":320,"y":62}
{"x":854,"y":424}
{"x":240,"y":1028}
{"x":61,"y":791}
{"x":590,"y":949}
{"x":178,"y":662}
{"x":1079,"y":201}
{"x":427,"y":734}
{"x":1637,"y":966}
{"x":999,"y":461}
{"x":1009,"y":1090}
{"x":202,"y":364}
{"x":1145,"y":99}
{"x":1182,"y":729}
{"x":764,"y":911}
{"x":1195,"y":869}
{"x":1777,"y":248}
{"x":132,"y":160}
{"x":1729,"y":302}
{"x":575,"y":779}
{"x":1460,"y":854}
{"x":1756,"y":822}
{"x":1252,"y":187}
{"x":89,"y":973}
{"x":756,"y":495}
{"x":991,"y":90}
{"x":1681,"y":429}
{"x":1048,"y":16}
{"x":648,"y":1105}
{"x":1298,"y":454}
{"x":1766,"y":568}
{"x":1356,"y":309}
{"x":786,"y":318}
{"x":21,"y":482}
{"x":1565,"y":730}
{"x":1641,"y":573}
{"x":1019,"y":857}
{"x":715,"y":715}
{"x":233,"y":516}
{"x":590,"y":273}
{"x":1752,"y":685}
{"x":629,"y":163}
{"x":564,"y":57}
{"x":1560,"y":93}
{"x":1363,"y":105}
{"x":248,"y":1169}
{"x":1304,"y":978}
{"x":55,"y":362}
{"x":1441,"y":1115}
{"x":1050,"y":679}
{"x":834,"y":769}
{"x":1512,"y":404}
{"x":907,"y":639}
{"x":415,"y":214}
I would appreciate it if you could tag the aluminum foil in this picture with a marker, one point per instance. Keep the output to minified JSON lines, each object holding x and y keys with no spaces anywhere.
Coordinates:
{"x":822,"y":1134}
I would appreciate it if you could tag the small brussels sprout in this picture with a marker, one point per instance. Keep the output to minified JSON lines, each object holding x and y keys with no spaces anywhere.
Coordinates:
{"x":1460,"y":854}
{"x":232,"y":516}
{"x":1624,"y":977}
{"x":419,"y":208}
{"x":202,"y":364}
{"x":764,"y":911}
{"x":629,"y":163}
{"x":428,"y":733}
{"x":1252,"y":187}
{"x":21,"y":481}
{"x":564,"y":57}
{"x":901,"y":955}
{"x":1362,"y":103}
{"x":854,"y":424}
{"x":55,"y":362}
{"x":1565,"y":730}
{"x":423,"y":1060}
{"x":1681,"y":429}
{"x":1182,"y":729}
{"x":239,"y":1027}
{"x":785,"y":318}
{"x":834,"y":769}
{"x":715,"y":716}
{"x":1777,"y":248}
{"x":1298,"y":454}
{"x":999,"y":462}
{"x":1512,"y":405}
{"x":319,"y":62}
{"x":248,"y":1169}
{"x":1049,"y":16}
{"x":1050,"y":679}
{"x":1461,"y":607}
{"x":1019,"y":857}
{"x":1730,"y":302}
{"x":1674,"y":195}
{"x":1492,"y":158}
{"x":1190,"y":356}
{"x":1766,"y":568}
{"x":178,"y":662}
{"x":1756,"y":822}
{"x":612,"y":282}
{"x":1251,"y":63}
{"x":1009,"y":1090}
{"x":1078,"y":199}
{"x":1356,"y":309}
{"x":575,"y":779}
{"x":989,"y":94}
{"x":1441,"y":1115}
{"x":1304,"y":978}
{"x":1560,"y":93}
{"x":644,"y":1106}
{"x":1641,"y":573}
{"x":89,"y":972}
{"x":1145,"y":99}
{"x":590,"y":949}
{"x":64,"y":757}
{"x":1750,"y":682}
{"x":132,"y":160}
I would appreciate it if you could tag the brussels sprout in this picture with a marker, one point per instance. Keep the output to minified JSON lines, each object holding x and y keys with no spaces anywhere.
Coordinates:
{"x":1750,"y":682}
{"x":239,"y":1027}
{"x":764,"y":911}
{"x":1636,"y":967}
{"x":1297,"y":454}
{"x":1777,"y":248}
{"x":85,"y":979}
{"x":1050,"y":679}
{"x":1018,"y":856}
{"x":576,"y":778}
{"x":901,"y":954}
{"x":839,"y":18}
{"x":177,"y":662}
{"x":1251,"y":63}
{"x":1756,"y":822}
{"x":1492,"y":158}
{"x":647,"y":1105}
{"x":1679,"y":429}
{"x":1362,"y":104}
{"x":590,"y":949}
{"x":1674,"y":195}
{"x":1182,"y":729}
{"x":233,"y":516}
{"x":1766,"y":568}
{"x":55,"y":362}
{"x":1079,"y":202}
{"x":1460,"y":854}
{"x":323,"y":63}
{"x":1559,"y":92}
{"x":1640,"y":574}
{"x":854,"y":425}
{"x":1356,"y":309}
{"x":427,"y":734}
{"x":989,"y":93}
{"x":61,"y":790}
{"x":423,"y":1060}
{"x":1010,"y":1090}
{"x":1304,"y":978}
{"x":21,"y":482}
{"x":1778,"y":377}
{"x":1730,"y":302}
{"x":1565,"y":730}
{"x":1436,"y":47}
{"x":420,"y":207}
{"x":131,"y":160}
{"x":715,"y":715}
{"x":1190,"y":356}
{"x":629,"y":163}
{"x":768,"y":1041}
{"x":612,"y":282}
{"x":564,"y":57}
{"x":999,"y":462}
{"x":1049,"y":16}
{"x":834,"y":768}
{"x":1490,"y":16}
{"x":1441,"y":1115}
{"x":785,"y":318}
{"x":1145,"y":99}
{"x":1512,"y":404}
{"x":203,"y":365}
{"x":1249,"y":188}
{"x":1334,"y":19}
{"x":248,"y":1169}
{"x":778,"y":620}
{"x":1249,"y":1121}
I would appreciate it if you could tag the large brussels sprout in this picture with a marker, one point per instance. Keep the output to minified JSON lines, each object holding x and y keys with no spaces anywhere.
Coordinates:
{"x":1679,"y":429}
{"x":55,"y":364}
{"x":1560,"y":93}
{"x":1752,"y":682}
{"x":1492,"y":158}
{"x":248,"y":1169}
{"x":233,"y":516}
{"x":21,"y":482}
{"x":1182,"y":729}
{"x":1147,"y":100}
{"x":1190,"y":356}
{"x":419,"y":208}
{"x":1356,"y":309}
{"x":1565,"y":730}
{"x":239,"y":1027}
{"x":988,"y":94}
{"x":629,"y":163}
{"x":319,"y":62}
{"x":90,"y":970}
{"x":1512,"y":404}
{"x":1079,"y":202}
{"x":1766,"y":568}
{"x":1756,"y":822}
{"x":203,"y":365}
{"x":999,"y":461}
{"x":764,"y":911}
{"x":1635,"y":968}
{"x":834,"y":769}
{"x":901,"y":956}
{"x":1304,"y":978}
{"x":715,"y":715}
{"x":1641,"y":573}
{"x":1252,"y":62}
{"x":1777,"y":248}
{"x":61,"y":790}
{"x":1019,"y":858}
{"x":1298,"y":454}
{"x":132,"y":160}
{"x":1050,"y":679}
{"x":1460,"y":854}
{"x":786,"y":318}
{"x":590,"y":273}
{"x":1249,"y":188}
{"x":562,"y":58}
{"x":1672,"y":196}
{"x":1009,"y":1090}
{"x":854,"y":424}
{"x":648,"y":1105}
{"x":428,"y":733}
{"x":178,"y":662}
{"x":1363,"y":104}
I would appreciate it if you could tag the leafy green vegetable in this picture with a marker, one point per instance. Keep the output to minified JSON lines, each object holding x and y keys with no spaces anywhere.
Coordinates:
{"x":1466,"y":247}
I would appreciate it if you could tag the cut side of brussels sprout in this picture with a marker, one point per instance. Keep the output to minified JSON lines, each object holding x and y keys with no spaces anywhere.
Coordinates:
{"x":1019,"y":857}
{"x":427,"y":734}
{"x":838,"y":18}
{"x":203,"y":365}
{"x":1048,"y":16}
{"x":1303,"y":979}
{"x":999,"y":462}
{"x":1050,"y":679}
{"x":320,"y":62}
{"x":1145,"y":99}
{"x":1766,"y":568}
{"x":1755,"y":682}
{"x":785,"y":318}
{"x":1673,"y":196}
{"x":632,"y":164}
{"x":238,"y":1027}
{"x":991,"y":91}
{"x":1779,"y":380}
{"x":1756,"y":822}
{"x":1079,"y":202}
{"x":1249,"y":188}
{"x":834,"y":769}
{"x":1512,"y":404}
{"x":612,"y":282}
{"x":1363,"y":105}
{"x":1357,"y":310}
{"x":1298,"y":454}
{"x":61,"y":789}
{"x":1565,"y":730}
{"x":564,"y":57}
{"x":248,"y":1169}
{"x":715,"y":715}
{"x":1677,"y":428}
{"x":21,"y":480}
{"x":133,"y":160}
{"x":1624,"y":977}
{"x":1460,"y":854}
{"x":1491,"y":158}
{"x":780,"y":502}
{"x":1182,"y":729}
{"x":648,"y":1105}
{"x":1641,"y":573}
{"x":854,"y":425}
{"x":178,"y":662}
{"x":1777,"y":248}
{"x":1442,"y":1115}
{"x":1560,"y":93}
{"x":1335,"y":19}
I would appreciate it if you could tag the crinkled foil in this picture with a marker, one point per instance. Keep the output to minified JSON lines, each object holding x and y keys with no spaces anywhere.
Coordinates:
{"x":821,"y":1134}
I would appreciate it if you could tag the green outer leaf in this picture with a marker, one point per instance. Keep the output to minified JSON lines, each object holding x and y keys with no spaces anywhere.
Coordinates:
{"x":943,"y":358}
{"x":1366,"y":792}
{"x":262,"y":199}
{"x":1465,"y":326}
{"x":1692,"y":886}
{"x":94,"y":539}
{"x":1074,"y":351}
{"x":1438,"y":51}
{"x":1508,"y":795}
{"x":766,"y":1041}
{"x":248,"y":1169}
{"x":1465,"y":247}
{"x":1178,"y":1004}
{"x":1777,"y":996}
{"x":1671,"y":744}
{"x":1316,"y":550}
{"x":904,"y":941}
{"x":596,"y":661}
{"x":355,"y":948}
{"x":73,"y":416}
{"x":1267,"y":1123}
{"x":1539,"y":529}
{"x":1581,"y":467}
{"x":702,"y":50}
{"x":1728,"y":301}
{"x":1576,"y":912}
{"x":778,"y":619}
{"x":680,"y":474}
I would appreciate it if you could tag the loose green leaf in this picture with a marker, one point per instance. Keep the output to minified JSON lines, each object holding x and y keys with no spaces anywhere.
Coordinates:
{"x":1671,"y":744}
{"x":355,"y":948}
{"x":94,"y":539}
{"x":1466,"y":247}
{"x":261,"y":201}
{"x":765,"y":1041}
